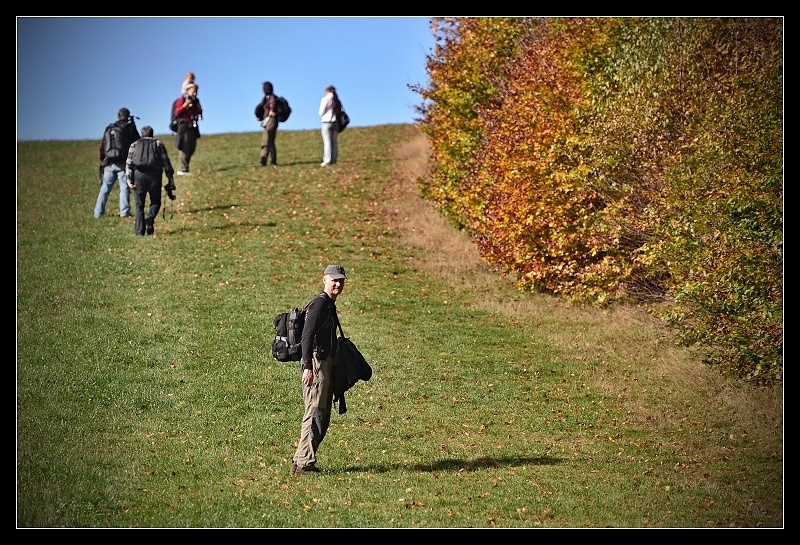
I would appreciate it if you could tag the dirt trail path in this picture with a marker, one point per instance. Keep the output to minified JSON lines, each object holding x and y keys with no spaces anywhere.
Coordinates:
{"x":449,"y":253}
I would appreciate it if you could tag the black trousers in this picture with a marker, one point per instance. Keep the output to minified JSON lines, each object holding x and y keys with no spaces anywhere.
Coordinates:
{"x":146,"y":184}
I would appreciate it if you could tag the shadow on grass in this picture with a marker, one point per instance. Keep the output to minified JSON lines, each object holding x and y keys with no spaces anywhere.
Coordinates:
{"x":256,"y":166}
{"x":245,"y":224}
{"x":168,"y":212}
{"x":456,"y":464}
{"x":208,"y":208}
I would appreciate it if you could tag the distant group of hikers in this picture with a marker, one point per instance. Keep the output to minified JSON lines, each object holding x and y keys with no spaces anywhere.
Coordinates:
{"x":138,"y":161}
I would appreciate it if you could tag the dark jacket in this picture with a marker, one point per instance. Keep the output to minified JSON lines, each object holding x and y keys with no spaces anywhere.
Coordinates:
{"x":348,"y":368}
{"x":319,"y":330}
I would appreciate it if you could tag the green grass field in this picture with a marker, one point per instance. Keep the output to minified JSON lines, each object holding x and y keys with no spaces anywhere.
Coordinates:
{"x":147,"y":395}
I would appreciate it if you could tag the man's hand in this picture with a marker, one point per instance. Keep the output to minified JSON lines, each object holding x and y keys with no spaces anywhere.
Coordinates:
{"x":169,"y":188}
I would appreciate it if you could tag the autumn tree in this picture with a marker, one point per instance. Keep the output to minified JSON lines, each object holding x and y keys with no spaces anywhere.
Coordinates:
{"x":610,"y":159}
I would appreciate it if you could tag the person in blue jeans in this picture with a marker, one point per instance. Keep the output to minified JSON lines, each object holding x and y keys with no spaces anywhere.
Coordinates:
{"x":114,"y":148}
{"x":329,"y":108}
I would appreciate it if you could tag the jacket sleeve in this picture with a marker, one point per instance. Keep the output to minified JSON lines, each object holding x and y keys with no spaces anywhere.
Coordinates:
{"x":179,"y":107}
{"x":317,"y":316}
{"x":129,"y":163}
{"x":165,"y":162}
{"x":307,"y":339}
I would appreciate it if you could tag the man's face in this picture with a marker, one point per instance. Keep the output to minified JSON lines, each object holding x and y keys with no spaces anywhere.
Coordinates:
{"x":334,"y":286}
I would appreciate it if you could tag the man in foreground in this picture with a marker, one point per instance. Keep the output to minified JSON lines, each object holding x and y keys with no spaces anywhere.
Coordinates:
{"x":319,"y":344}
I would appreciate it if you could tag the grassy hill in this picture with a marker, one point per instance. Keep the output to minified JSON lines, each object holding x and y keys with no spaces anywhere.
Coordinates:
{"x":147,"y":395}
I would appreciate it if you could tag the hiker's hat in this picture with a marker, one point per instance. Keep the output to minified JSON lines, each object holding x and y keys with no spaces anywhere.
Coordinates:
{"x":335,"y":271}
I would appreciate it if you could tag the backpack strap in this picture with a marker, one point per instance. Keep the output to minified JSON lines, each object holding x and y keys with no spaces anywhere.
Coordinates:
{"x":339,"y":325}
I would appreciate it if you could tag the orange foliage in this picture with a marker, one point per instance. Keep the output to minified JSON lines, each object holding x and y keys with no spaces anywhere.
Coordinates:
{"x":608,"y":158}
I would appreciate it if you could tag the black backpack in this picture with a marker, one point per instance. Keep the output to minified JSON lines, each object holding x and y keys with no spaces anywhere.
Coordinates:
{"x":282,"y":109}
{"x":288,"y":333}
{"x":145,"y":154}
{"x":173,"y":120}
{"x":114,"y":144}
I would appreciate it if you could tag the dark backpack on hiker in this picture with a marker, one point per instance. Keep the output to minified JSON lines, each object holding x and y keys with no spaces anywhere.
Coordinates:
{"x":145,"y":155}
{"x":288,"y":333}
{"x":282,"y":109}
{"x":114,"y":144}
{"x":173,"y":119}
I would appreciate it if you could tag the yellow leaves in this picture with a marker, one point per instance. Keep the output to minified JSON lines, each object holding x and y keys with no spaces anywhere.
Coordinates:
{"x":592,"y":153}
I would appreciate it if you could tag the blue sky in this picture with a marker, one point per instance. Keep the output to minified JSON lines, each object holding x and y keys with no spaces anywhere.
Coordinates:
{"x":74,"y":73}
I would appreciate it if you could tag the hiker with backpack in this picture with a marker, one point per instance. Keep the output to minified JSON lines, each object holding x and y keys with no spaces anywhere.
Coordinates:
{"x":267,"y":115}
{"x":318,"y":349}
{"x":147,"y":159}
{"x":188,"y":112}
{"x":329,"y":109}
{"x":114,"y":145}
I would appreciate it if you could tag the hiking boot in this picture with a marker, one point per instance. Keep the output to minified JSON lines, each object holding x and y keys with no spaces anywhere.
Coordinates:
{"x":307,"y":470}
